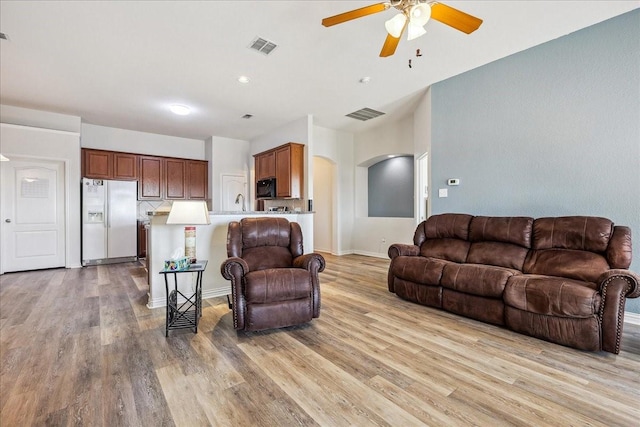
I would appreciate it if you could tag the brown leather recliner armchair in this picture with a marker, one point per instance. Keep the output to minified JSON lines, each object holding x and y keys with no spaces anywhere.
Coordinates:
{"x":273,"y":284}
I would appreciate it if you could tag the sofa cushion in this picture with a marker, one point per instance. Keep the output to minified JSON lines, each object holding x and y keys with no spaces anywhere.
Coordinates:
{"x":514,"y":230}
{"x":498,"y":254}
{"x":573,"y":264}
{"x":443,"y":226}
{"x":418,"y":269}
{"x":552,"y":296}
{"x":448,"y":249}
{"x":500,"y":241}
{"x":572,"y":232}
{"x":277,"y":284}
{"x":475,"y":279}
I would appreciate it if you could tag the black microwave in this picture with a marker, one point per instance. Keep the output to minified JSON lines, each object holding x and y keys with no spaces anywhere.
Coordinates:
{"x":266,"y":188}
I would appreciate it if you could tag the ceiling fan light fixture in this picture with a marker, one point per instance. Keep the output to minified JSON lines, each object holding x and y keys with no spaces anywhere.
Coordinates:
{"x":420,"y":14}
{"x":395,"y":25}
{"x":414,"y":31}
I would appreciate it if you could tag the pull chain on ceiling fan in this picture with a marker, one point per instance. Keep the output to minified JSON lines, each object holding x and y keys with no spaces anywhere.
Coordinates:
{"x":413,"y":16}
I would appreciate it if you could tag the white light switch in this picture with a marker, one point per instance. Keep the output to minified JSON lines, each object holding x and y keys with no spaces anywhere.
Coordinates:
{"x":443,"y":192}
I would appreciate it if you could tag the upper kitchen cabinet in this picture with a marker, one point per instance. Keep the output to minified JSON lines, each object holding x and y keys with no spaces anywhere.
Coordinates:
{"x":175,"y":182}
{"x":125,"y":166}
{"x":101,"y":164}
{"x":289,"y":168}
{"x":167,"y":178}
{"x":197,"y":179}
{"x":265,"y":164}
{"x":97,"y":164}
{"x":151,"y":178}
{"x":286,"y":164}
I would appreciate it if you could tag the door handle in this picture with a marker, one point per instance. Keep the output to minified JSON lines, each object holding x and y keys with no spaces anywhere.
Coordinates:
{"x":7,"y":220}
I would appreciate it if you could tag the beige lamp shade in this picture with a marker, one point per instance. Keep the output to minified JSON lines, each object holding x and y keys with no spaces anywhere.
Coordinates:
{"x":189,"y":212}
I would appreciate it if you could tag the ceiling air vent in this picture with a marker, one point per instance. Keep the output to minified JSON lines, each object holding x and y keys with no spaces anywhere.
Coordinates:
{"x":365,"y":114}
{"x":263,"y":46}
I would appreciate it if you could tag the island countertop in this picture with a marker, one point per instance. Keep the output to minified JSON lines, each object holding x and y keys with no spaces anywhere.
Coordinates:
{"x":161,"y":213}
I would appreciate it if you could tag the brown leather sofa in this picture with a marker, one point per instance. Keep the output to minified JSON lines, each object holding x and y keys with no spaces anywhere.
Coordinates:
{"x":273,"y":283}
{"x":563,"y":279}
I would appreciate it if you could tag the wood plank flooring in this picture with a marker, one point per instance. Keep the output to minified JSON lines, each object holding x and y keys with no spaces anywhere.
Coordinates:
{"x":79,"y":347}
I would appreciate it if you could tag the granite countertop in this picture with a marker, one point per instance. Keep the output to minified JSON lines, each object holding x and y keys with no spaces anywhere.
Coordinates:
{"x":160,"y":213}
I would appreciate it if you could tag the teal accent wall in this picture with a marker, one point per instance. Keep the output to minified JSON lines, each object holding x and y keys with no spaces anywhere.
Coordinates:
{"x":550,"y":131}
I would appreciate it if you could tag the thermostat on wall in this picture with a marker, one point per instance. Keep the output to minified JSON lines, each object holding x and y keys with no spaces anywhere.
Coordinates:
{"x":453,"y":181}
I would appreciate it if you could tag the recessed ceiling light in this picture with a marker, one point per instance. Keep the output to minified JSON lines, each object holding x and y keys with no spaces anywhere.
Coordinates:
{"x":181,"y":110}
{"x":243,"y":79}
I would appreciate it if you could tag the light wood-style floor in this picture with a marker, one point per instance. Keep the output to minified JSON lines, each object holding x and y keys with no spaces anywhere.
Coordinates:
{"x":79,"y":347}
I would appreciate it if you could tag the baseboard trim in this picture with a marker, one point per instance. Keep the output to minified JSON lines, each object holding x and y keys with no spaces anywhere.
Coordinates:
{"x":213,"y":293}
{"x":372,"y":254}
{"x":632,"y":318}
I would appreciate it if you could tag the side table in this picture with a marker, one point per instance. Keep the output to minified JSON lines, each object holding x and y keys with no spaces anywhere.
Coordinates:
{"x":188,"y":312}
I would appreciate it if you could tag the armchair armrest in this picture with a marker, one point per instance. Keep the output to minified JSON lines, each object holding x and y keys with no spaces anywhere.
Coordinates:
{"x":616,"y":286}
{"x":234,"y":269}
{"x":311,"y":262}
{"x":314,"y":263}
{"x":403,"y":249}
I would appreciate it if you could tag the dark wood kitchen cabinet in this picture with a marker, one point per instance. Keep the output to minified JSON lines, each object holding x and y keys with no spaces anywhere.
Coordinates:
{"x":125,"y":166}
{"x":167,"y":178}
{"x":102,"y":164}
{"x":289,"y":166}
{"x":286,"y":164}
{"x":159,"y":178}
{"x":265,"y":164}
{"x":175,"y":187}
{"x":197,"y":179}
{"x":151,"y":178}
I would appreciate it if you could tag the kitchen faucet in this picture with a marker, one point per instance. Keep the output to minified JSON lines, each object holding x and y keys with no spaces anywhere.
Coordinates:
{"x":238,"y":201}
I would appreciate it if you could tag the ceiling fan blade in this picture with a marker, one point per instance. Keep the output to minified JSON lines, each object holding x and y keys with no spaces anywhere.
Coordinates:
{"x":353,"y":14}
{"x":455,"y":18}
{"x":390,"y":45}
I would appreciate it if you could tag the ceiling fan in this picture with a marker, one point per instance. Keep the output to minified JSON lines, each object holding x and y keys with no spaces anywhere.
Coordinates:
{"x":414,"y":14}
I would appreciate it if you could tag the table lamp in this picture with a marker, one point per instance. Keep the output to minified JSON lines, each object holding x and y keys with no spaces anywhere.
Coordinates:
{"x":189,"y":213}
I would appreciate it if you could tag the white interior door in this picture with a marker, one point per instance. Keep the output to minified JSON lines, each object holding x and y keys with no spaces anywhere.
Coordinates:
{"x":232,"y":185}
{"x":33,"y":215}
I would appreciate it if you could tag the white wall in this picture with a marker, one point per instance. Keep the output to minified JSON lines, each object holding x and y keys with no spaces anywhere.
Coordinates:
{"x":323,"y":204}
{"x":372,"y":236}
{"x":25,"y":140}
{"x":296,"y":131}
{"x":337,"y":147}
{"x":39,"y":119}
{"x":129,"y":141}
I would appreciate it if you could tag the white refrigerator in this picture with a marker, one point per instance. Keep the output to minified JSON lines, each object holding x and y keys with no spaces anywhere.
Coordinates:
{"x":109,"y":221}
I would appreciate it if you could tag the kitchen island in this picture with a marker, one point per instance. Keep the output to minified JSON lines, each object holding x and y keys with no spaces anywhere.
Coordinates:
{"x":211,"y":245}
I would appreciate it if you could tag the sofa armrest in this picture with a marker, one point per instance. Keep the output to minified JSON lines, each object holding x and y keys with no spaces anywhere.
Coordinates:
{"x":402,"y":249}
{"x":615,"y":287}
{"x":234,"y":269}
{"x":313,"y":262}
{"x":632,"y":290}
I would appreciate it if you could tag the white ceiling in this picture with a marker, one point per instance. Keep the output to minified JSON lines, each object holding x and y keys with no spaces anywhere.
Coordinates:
{"x":121,"y":63}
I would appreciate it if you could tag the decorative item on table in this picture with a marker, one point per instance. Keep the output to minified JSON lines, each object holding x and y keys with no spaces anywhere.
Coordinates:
{"x":189,"y":213}
{"x":177,"y":264}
